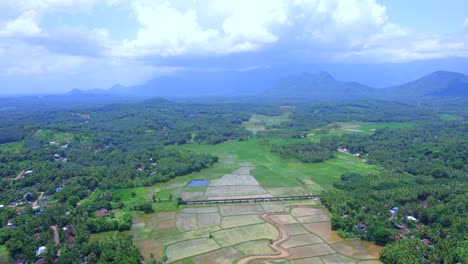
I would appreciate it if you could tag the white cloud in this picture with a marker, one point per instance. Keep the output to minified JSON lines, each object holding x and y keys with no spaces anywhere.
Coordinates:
{"x":168,"y":28}
{"x":24,"y":25}
{"x":339,"y":30}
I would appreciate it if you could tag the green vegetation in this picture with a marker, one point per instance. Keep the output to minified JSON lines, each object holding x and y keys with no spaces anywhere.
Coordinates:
{"x":116,"y":170}
{"x":274,"y":171}
{"x":417,"y":201}
{"x":448,"y":117}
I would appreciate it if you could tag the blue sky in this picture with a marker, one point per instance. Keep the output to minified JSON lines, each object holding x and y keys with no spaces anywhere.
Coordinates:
{"x":49,"y":46}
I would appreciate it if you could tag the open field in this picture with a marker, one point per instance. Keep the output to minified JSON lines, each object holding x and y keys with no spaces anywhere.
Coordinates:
{"x":273,"y":172}
{"x":260,"y":122}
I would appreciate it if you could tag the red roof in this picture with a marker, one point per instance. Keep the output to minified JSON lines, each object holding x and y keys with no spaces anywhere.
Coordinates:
{"x":70,"y":239}
{"x":40,"y":261}
{"x":102,"y":212}
{"x":426,"y":241}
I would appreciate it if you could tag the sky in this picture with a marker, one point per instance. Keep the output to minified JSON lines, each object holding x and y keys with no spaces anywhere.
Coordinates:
{"x":52,"y":46}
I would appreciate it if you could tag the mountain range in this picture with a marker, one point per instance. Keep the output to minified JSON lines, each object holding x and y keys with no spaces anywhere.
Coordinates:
{"x":317,"y":86}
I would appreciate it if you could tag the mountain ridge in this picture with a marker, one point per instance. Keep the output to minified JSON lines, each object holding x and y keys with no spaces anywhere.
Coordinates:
{"x":315,"y":86}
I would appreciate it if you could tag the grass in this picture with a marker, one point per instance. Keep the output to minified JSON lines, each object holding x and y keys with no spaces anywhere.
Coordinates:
{"x":260,"y":122}
{"x":365,"y":128}
{"x":3,"y":255}
{"x":164,"y":194}
{"x":448,"y":117}
{"x":272,"y":171}
{"x":131,"y":194}
{"x":12,"y":146}
{"x":49,"y":135}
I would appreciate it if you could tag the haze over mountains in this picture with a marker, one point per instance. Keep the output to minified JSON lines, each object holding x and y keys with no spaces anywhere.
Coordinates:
{"x":316,"y":86}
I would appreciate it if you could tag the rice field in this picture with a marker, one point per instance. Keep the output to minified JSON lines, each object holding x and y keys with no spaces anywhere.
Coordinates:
{"x":227,"y":233}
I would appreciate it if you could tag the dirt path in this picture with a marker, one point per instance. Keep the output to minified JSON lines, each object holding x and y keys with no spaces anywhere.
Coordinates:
{"x":34,"y":204}
{"x":19,"y":176}
{"x":56,"y":234}
{"x":280,"y":252}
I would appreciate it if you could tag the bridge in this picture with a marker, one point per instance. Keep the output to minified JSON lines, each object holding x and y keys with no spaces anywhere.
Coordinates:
{"x":249,"y":200}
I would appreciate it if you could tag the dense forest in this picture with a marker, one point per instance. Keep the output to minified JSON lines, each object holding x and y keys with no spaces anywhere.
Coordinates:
{"x":417,"y":206}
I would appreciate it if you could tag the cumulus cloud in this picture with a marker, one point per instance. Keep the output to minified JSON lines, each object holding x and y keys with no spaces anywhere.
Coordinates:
{"x":169,"y":28}
{"x":24,"y":25}
{"x":167,"y":31}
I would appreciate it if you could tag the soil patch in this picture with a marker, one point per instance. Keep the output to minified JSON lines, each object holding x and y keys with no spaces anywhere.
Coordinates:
{"x":358,"y":249}
{"x":310,"y":251}
{"x":323,"y":229}
{"x":240,"y":220}
{"x":302,"y":240}
{"x":227,"y":210}
{"x":220,"y":256}
{"x":336,"y":258}
{"x":190,"y":248}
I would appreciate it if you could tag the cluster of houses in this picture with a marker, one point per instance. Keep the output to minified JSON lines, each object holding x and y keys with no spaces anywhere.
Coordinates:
{"x":61,"y":158}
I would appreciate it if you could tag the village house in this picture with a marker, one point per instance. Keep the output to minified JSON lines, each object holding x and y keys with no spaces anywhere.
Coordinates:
{"x":40,"y":250}
{"x":102,"y":212}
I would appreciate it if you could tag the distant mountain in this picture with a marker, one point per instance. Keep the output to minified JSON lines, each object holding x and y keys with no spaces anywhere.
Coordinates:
{"x":196,"y":84}
{"x":319,"y":86}
{"x":322,"y":86}
{"x":436,"y":84}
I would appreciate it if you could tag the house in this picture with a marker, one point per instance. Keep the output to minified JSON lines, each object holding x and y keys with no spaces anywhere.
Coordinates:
{"x":20,"y":212}
{"x":70,"y":241}
{"x":1,"y":206}
{"x":40,"y":261}
{"x":59,"y":189}
{"x":57,"y":156}
{"x":28,"y":172}
{"x":102,"y":212}
{"x":40,"y":250}
{"x":404,"y":232}
{"x":20,"y":261}
{"x":411,"y":218}
{"x":12,"y":204}
{"x":357,"y":155}
{"x":426,"y":241}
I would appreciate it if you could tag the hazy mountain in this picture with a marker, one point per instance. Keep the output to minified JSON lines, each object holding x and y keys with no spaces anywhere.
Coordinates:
{"x":322,"y":86}
{"x":436,"y":84}
{"x":319,"y":86}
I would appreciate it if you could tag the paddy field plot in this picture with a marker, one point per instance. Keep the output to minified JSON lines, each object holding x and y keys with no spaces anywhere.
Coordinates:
{"x":255,"y":247}
{"x":302,"y":240}
{"x":220,"y":256}
{"x":232,"y":236}
{"x":189,"y":248}
{"x":240,"y":220}
{"x":204,"y":234}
